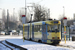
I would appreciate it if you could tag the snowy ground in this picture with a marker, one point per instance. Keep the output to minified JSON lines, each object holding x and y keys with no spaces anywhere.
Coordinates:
{"x":70,"y":44}
{"x":34,"y":45}
{"x":10,"y":46}
{"x":10,"y":37}
{"x":3,"y":47}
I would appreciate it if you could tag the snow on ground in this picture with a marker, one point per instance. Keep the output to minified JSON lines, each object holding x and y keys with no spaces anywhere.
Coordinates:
{"x":3,"y":47}
{"x":10,"y":46}
{"x":34,"y":45}
{"x":70,"y":44}
{"x":10,"y":37}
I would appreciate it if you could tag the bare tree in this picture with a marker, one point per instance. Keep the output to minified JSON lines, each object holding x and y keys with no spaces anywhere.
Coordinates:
{"x":39,"y":13}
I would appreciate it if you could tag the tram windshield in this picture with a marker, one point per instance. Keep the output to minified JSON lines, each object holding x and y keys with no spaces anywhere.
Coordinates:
{"x":53,"y":28}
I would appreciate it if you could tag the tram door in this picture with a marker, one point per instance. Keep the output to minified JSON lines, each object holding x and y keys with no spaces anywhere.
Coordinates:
{"x":28,"y":32}
{"x":44,"y":33}
{"x":32,"y":32}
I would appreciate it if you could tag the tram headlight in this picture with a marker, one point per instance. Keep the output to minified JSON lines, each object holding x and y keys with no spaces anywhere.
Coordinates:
{"x":53,"y":38}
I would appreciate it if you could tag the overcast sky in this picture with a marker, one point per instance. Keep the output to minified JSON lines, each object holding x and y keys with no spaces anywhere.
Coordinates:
{"x":55,"y":6}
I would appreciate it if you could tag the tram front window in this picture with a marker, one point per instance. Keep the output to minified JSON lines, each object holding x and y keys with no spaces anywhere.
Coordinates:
{"x":53,"y":28}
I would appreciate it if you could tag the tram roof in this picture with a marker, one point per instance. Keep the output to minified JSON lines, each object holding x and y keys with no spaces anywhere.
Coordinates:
{"x":40,"y":22}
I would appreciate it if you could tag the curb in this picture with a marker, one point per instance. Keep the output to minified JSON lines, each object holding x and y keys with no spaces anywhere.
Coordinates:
{"x":16,"y":46}
{"x":7,"y":46}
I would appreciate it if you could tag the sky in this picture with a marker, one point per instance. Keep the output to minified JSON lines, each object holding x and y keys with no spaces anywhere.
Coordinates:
{"x":55,"y":6}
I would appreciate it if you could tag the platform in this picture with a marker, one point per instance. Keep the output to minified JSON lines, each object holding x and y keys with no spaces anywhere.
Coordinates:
{"x":30,"y":45}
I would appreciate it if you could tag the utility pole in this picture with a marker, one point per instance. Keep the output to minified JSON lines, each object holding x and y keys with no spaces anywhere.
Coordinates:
{"x":32,"y":9}
{"x":63,"y":11}
{"x":24,"y":22}
{"x":30,"y":19}
{"x":25,"y":11}
{"x":7,"y":21}
{"x":30,"y":12}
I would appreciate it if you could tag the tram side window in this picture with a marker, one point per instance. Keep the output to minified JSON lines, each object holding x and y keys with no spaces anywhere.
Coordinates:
{"x":59,"y":27}
{"x":37,"y":28}
{"x":40,"y":28}
{"x":26,"y":28}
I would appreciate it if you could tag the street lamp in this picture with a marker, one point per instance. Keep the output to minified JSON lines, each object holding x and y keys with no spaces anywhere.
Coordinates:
{"x":31,"y":18}
{"x":7,"y":21}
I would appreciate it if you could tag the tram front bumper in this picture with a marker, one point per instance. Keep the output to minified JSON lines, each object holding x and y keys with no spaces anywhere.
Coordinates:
{"x":55,"y":40}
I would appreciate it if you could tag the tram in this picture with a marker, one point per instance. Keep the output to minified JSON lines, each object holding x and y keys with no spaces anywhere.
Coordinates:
{"x":43,"y":31}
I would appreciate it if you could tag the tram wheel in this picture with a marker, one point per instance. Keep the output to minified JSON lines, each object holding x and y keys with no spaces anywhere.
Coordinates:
{"x":40,"y":41}
{"x":30,"y":39}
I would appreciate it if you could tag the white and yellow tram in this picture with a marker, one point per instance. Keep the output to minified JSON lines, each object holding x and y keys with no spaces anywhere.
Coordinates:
{"x":43,"y":31}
